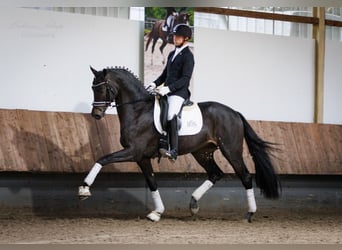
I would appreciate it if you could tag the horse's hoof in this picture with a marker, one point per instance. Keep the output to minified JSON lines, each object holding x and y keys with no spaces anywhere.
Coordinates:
{"x":249,"y":216}
{"x":194,"y":208}
{"x":154,"y":216}
{"x":82,"y":198}
{"x":83,"y":192}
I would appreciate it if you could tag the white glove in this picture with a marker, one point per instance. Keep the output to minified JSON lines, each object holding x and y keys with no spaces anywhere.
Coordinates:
{"x":162,"y":90}
{"x":150,"y":87}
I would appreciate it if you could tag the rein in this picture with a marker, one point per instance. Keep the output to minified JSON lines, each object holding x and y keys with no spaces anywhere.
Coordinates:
{"x":109,"y":103}
{"x":125,"y":103}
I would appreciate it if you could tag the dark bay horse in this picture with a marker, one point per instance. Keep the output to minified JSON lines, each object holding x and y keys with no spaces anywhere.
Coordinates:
{"x":223,"y":129}
{"x":165,"y":36}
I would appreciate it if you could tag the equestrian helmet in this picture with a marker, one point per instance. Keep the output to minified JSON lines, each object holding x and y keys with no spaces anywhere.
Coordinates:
{"x":182,"y":30}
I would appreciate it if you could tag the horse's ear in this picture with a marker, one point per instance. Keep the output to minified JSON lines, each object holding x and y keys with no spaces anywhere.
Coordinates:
{"x":94,"y":71}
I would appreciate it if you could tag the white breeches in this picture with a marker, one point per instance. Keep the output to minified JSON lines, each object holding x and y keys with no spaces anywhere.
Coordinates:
{"x":175,"y":104}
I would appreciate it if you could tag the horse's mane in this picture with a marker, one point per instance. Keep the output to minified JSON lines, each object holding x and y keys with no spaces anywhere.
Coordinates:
{"x":124,"y":72}
{"x":125,"y":69}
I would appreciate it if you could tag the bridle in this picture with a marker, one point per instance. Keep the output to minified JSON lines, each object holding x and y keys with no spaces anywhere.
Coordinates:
{"x":108,"y":101}
{"x":109,"y":91}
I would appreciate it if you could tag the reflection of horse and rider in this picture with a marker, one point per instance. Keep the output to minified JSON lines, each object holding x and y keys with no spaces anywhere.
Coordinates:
{"x":163,"y":28}
{"x":169,"y":18}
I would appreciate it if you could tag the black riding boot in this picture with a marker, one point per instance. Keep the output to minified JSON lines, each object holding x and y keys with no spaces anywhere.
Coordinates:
{"x":173,"y":136}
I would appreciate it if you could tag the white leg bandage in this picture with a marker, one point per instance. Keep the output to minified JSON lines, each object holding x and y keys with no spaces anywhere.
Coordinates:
{"x":201,"y":190}
{"x":158,"y":203}
{"x":92,"y":174}
{"x":251,"y":200}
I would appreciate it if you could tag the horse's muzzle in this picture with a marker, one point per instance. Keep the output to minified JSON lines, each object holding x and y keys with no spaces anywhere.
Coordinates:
{"x":97,"y":113}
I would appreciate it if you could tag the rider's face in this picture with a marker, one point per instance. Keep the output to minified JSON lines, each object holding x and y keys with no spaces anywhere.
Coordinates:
{"x":178,"y":40}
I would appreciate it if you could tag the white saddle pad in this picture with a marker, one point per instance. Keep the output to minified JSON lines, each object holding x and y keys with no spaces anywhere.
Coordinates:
{"x":191,"y":120}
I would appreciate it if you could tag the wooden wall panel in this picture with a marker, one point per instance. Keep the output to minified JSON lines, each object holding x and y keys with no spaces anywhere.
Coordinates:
{"x":37,"y":141}
{"x":83,"y":154}
{"x":8,"y":141}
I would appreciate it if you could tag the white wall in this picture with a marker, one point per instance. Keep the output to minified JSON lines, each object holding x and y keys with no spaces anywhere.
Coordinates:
{"x":45,"y":57}
{"x":332,"y":112}
{"x":264,"y":77}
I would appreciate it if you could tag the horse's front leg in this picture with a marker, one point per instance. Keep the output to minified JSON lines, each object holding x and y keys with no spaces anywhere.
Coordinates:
{"x":120,"y":156}
{"x":161,"y":48}
{"x":146,"y":167}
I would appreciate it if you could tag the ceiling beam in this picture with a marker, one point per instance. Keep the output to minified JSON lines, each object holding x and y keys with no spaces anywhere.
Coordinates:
{"x":257,"y":14}
{"x":267,"y":15}
{"x":319,"y":36}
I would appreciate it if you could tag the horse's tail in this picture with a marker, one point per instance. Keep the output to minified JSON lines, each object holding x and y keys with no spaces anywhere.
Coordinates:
{"x":265,"y":176}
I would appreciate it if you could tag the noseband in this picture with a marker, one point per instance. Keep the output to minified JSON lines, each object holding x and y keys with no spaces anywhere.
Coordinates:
{"x":109,"y":91}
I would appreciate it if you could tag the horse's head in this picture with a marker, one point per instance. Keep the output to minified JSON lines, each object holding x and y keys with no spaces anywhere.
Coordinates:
{"x":104,"y":93}
{"x":117,"y":85}
{"x":183,"y":17}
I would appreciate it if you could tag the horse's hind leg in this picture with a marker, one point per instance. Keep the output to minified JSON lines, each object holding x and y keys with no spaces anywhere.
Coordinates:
{"x":205,"y":158}
{"x":148,"y":40}
{"x":155,"y":39}
{"x":146,"y":167}
{"x":235,"y":159}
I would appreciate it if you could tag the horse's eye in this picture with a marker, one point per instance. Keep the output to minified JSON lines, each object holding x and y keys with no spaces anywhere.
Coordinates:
{"x":98,"y":90}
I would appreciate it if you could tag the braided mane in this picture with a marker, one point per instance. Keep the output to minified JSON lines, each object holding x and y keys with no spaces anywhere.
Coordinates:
{"x":123,"y":68}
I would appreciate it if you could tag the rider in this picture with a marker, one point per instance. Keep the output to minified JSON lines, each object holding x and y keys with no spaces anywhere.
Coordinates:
{"x":170,"y":13}
{"x":176,"y":78}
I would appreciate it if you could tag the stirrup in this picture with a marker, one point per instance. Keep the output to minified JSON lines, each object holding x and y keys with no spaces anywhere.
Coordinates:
{"x":171,"y":154}
{"x":163,"y":146}
{"x":163,"y":152}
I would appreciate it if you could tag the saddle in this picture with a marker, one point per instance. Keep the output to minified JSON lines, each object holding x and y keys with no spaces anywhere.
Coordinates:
{"x":190,"y":119}
{"x":164,"y":107}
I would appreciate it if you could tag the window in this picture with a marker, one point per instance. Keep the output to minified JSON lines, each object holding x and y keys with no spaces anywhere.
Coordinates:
{"x":272,"y":27}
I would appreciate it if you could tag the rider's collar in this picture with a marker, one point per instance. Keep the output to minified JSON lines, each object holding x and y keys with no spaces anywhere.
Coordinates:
{"x":179,"y":49}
